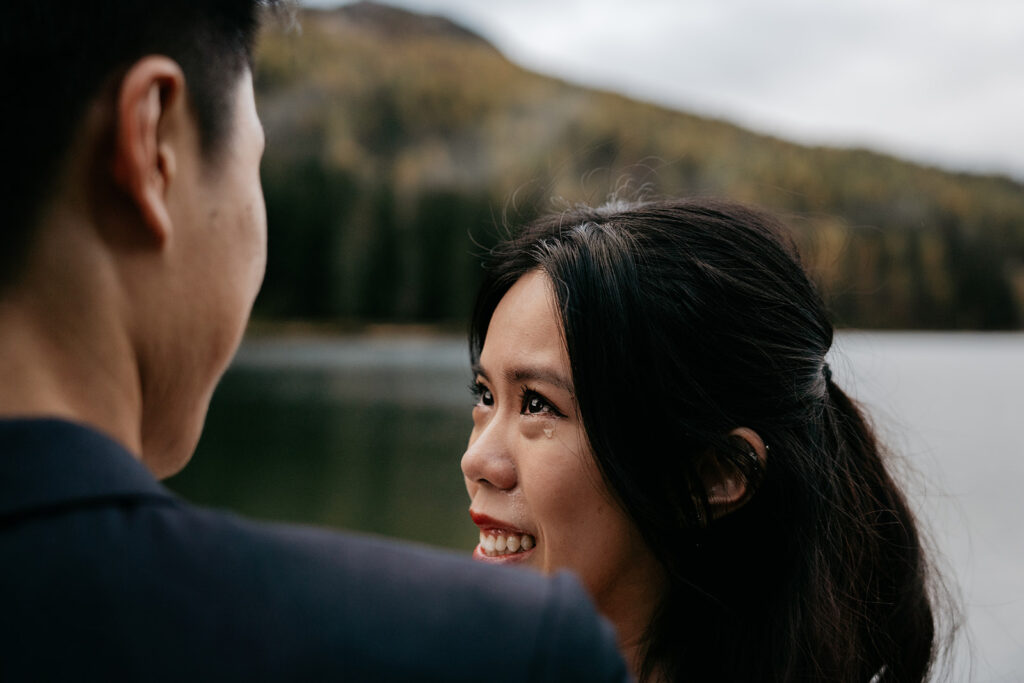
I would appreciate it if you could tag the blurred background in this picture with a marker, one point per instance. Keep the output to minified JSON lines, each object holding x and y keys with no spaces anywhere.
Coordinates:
{"x":404,"y":139}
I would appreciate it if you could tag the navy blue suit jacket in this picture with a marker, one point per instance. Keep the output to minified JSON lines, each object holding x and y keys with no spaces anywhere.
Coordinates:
{"x":106,"y":575}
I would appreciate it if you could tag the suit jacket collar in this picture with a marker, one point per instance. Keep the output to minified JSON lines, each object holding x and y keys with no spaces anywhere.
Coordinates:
{"x":51,"y":462}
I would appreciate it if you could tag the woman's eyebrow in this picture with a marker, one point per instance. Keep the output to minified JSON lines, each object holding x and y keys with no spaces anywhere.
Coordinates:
{"x":525,"y":374}
{"x":478,"y":370}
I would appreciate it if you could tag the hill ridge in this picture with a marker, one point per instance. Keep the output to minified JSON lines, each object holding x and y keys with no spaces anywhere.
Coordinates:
{"x":418,"y":137}
{"x":396,"y":22}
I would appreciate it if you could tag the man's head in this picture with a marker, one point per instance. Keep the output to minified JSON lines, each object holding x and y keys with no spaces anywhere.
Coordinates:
{"x":59,"y":56}
{"x":131,"y":136}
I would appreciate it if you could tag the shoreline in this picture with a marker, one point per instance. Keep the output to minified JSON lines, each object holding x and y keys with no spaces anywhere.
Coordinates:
{"x":258,"y":329}
{"x":263,"y":328}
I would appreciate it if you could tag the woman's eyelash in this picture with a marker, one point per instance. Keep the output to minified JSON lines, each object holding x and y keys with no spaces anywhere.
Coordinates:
{"x":528,"y":395}
{"x":529,"y":399}
{"x":481,"y":394}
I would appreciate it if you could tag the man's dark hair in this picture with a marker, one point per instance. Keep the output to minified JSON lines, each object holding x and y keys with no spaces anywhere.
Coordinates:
{"x":59,"y":55}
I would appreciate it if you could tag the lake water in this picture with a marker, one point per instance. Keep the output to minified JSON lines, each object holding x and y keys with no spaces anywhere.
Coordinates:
{"x":366,"y":433}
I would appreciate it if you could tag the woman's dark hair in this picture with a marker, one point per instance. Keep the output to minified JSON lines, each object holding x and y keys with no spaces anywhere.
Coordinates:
{"x":684,"y":320}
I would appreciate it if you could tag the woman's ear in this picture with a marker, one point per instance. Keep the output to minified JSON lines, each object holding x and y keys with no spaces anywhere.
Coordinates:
{"x":728,"y":487}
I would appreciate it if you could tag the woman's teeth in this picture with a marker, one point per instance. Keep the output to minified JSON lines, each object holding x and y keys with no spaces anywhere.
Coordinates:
{"x":494,"y":545}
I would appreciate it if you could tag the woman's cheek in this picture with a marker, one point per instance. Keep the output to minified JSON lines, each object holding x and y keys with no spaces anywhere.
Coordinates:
{"x":535,"y":428}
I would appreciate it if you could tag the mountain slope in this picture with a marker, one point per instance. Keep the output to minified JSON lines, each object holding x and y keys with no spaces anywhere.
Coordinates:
{"x":395,"y":140}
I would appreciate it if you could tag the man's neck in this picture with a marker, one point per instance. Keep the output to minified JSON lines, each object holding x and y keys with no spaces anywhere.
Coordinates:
{"x":63,"y":356}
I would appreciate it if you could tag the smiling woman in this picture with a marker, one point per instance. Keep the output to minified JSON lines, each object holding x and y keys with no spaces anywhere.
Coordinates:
{"x":654,"y":412}
{"x":537,"y":492}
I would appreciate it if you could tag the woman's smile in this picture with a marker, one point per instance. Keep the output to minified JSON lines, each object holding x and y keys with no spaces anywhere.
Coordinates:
{"x":501,"y":542}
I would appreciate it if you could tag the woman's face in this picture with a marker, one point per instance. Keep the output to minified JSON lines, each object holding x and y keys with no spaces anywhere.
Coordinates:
{"x":536,"y":492}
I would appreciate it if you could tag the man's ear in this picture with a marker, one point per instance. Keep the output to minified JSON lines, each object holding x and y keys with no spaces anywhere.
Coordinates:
{"x":728,"y":487}
{"x":149,"y":105}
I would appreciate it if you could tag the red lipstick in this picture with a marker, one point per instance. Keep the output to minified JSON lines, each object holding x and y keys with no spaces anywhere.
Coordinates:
{"x":487,"y":523}
{"x":491,"y":528}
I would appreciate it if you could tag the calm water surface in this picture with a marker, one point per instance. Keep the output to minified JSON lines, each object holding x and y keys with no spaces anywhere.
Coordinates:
{"x":366,"y":433}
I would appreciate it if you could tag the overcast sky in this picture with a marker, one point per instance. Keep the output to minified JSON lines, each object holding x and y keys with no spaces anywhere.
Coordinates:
{"x":937,"y":81}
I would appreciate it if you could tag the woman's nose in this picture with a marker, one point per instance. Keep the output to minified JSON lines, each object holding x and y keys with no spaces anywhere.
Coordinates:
{"x":488,"y":459}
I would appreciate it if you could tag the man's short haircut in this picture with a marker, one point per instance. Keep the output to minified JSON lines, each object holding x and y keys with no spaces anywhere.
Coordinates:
{"x":58,"y":55}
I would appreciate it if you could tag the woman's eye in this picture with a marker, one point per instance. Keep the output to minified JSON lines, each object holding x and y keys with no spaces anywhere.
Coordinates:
{"x":535,"y":404}
{"x":482,"y":394}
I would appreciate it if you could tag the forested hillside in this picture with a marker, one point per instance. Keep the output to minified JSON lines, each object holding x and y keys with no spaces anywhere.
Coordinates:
{"x":399,"y":145}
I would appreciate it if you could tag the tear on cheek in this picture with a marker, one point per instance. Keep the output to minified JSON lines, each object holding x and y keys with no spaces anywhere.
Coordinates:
{"x":539,"y":430}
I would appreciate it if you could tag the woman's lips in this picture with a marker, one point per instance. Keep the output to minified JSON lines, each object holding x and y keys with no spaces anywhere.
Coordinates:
{"x":501,"y":542}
